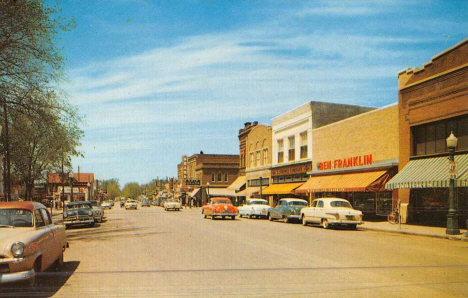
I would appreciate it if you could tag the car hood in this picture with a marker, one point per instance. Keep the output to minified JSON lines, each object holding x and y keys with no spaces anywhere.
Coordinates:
{"x":10,"y":235}
{"x":72,"y":212}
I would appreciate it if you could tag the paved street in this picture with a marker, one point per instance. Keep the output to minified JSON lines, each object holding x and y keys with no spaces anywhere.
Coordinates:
{"x":150,"y":252}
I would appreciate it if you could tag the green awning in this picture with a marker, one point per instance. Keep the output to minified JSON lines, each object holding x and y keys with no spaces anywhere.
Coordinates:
{"x":430,"y":173}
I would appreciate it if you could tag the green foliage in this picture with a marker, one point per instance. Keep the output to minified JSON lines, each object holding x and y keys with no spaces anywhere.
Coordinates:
{"x":131,"y":190}
{"x":112,"y":187}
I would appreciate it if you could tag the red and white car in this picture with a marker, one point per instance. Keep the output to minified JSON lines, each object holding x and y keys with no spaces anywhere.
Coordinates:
{"x":221,"y":207}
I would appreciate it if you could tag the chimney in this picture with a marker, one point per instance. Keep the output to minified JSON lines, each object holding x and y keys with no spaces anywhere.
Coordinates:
{"x":247,"y":124}
{"x":201,"y":152}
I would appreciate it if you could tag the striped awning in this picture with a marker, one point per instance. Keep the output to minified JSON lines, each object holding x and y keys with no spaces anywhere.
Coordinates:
{"x":194,"y":192}
{"x":430,"y":173}
{"x":340,"y":183}
{"x":281,"y":189}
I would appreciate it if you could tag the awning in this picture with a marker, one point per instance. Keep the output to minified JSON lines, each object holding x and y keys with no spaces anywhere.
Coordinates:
{"x":194,"y":192}
{"x":221,"y":192}
{"x":249,"y":191}
{"x":281,"y":189}
{"x":430,"y":173}
{"x":238,"y":183}
{"x":365,"y":181}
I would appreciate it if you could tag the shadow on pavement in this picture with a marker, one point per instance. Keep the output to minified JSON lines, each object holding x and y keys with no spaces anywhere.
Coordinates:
{"x":48,"y":283}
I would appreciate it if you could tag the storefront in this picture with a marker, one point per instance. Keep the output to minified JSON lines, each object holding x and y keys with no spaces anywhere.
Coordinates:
{"x":354,"y":158}
{"x":433,"y":103}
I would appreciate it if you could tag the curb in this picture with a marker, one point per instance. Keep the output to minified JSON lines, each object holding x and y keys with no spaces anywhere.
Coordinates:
{"x":460,"y":237}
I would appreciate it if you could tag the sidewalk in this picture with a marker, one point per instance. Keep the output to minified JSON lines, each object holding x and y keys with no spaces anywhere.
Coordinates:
{"x":437,"y":232}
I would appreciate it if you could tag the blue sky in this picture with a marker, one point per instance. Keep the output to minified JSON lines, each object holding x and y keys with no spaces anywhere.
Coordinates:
{"x":159,"y":79}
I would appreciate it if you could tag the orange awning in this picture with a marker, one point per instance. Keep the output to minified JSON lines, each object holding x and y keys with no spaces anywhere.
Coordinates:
{"x":281,"y":189}
{"x":341,"y":182}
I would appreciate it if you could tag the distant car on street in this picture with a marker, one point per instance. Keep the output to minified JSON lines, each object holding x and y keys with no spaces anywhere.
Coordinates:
{"x":131,"y":204}
{"x":329,"y":212}
{"x":78,"y":213}
{"x":106,"y":205}
{"x":171,"y":204}
{"x":145,"y":203}
{"x":221,"y":207}
{"x":254,"y":208}
{"x":288,"y":209}
{"x":31,"y":243}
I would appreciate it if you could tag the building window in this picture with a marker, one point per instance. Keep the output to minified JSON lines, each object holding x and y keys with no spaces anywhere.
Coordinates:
{"x":280,"y":151}
{"x":304,"y":145}
{"x":292,"y":151}
{"x":220,"y":177}
{"x":213,"y":177}
{"x":431,"y":138}
{"x":265,"y":156}
{"x":252,"y":160}
{"x":225,"y":177}
{"x":258,"y":158}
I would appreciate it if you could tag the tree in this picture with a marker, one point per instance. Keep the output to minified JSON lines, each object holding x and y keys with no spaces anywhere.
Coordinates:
{"x":30,"y":63}
{"x":131,"y":190}
{"x":112,"y":187}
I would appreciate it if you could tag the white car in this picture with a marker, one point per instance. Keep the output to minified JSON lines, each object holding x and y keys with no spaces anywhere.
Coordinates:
{"x":254,"y":208}
{"x":106,"y":204}
{"x":172,"y":204}
{"x":330,"y":212}
{"x":131,"y":204}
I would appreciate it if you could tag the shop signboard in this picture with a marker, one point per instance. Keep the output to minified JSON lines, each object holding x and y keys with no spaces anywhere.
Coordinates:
{"x":192,"y":182}
{"x":348,"y":162}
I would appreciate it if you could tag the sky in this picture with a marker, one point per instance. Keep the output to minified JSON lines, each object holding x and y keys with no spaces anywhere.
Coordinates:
{"x":156,"y":80}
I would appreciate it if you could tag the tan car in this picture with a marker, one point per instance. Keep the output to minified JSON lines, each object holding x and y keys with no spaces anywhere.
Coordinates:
{"x":30,"y":242}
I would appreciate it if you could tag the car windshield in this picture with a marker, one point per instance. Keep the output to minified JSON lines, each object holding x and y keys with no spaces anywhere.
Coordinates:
{"x":340,"y":204}
{"x":79,"y":206}
{"x":94,"y":203}
{"x":131,"y":201}
{"x":15,"y":218}
{"x":221,"y":202}
{"x":172,"y":201}
{"x":297,"y":203}
{"x":259,"y":202}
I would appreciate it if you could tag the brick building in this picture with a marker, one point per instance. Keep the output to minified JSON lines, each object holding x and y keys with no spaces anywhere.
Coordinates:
{"x":433,"y":102}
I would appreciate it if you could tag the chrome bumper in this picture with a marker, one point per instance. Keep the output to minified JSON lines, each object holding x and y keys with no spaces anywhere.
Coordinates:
{"x":17,"y":276}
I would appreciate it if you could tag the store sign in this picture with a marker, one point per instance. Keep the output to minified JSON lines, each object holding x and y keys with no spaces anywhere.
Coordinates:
{"x":349,"y":162}
{"x":192,"y":182}
{"x":291,"y":170}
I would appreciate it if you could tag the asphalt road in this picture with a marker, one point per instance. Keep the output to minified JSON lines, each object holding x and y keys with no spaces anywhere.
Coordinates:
{"x":150,"y":252}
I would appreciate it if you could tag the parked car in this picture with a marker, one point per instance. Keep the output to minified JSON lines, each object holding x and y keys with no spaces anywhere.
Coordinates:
{"x":98,"y":211}
{"x":254,"y":208}
{"x":145,"y":203}
{"x":106,"y":205}
{"x":131,"y":204}
{"x":220,"y":207}
{"x":171,"y":204}
{"x":288,"y":209}
{"x":31,"y":243}
{"x":78,"y":213}
{"x":331,"y":212}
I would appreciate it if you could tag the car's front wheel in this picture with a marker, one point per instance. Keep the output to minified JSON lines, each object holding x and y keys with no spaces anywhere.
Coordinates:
{"x":270,"y":218}
{"x":325,"y":224}
{"x":304,"y":220}
{"x":233,"y":217}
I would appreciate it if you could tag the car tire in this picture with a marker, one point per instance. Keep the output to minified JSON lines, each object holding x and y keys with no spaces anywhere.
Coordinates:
{"x":250,"y":216}
{"x":287,"y":220}
{"x":233,"y":217}
{"x":270,"y":218}
{"x":353,"y":227}
{"x":92,"y":224}
{"x":325,"y":224}
{"x":32,"y":282}
{"x":224,"y":217}
{"x":59,"y":262}
{"x":212,"y":217}
{"x":304,"y":221}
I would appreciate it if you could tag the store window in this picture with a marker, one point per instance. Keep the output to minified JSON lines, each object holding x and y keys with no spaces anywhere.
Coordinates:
{"x":304,"y":145}
{"x":292,"y":151}
{"x":431,"y":138}
{"x":280,"y":151}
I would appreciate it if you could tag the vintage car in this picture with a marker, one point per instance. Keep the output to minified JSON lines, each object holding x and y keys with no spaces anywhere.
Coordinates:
{"x":31,"y":243}
{"x":131,"y":204}
{"x":288,"y":209}
{"x":145,"y":203}
{"x":106,"y":205}
{"x":78,"y":213}
{"x":171,"y":204}
{"x":331,"y":212}
{"x":254,"y":208}
{"x":98,"y":211}
{"x":221,"y":207}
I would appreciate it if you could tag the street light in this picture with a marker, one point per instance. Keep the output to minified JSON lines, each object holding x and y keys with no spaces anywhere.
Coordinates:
{"x":261,"y":186}
{"x":452,"y":217}
{"x":89,"y":195}
{"x":208,"y":190}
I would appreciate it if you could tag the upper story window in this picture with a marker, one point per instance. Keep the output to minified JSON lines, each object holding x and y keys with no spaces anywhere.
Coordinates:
{"x":258,"y":153}
{"x":265,"y":156}
{"x":225,"y":177}
{"x":280,"y":151}
{"x":220,"y":177}
{"x":252,"y":159}
{"x":304,"y":145}
{"x":213,"y":177}
{"x":292,"y":151}
{"x":431,"y":138}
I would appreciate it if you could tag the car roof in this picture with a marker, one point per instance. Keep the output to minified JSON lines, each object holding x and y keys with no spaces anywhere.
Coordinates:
{"x":21,"y":205}
{"x":257,"y":200}
{"x":334,"y":199}
{"x":79,"y":203}
{"x":293,"y":199}
{"x":218,"y":198}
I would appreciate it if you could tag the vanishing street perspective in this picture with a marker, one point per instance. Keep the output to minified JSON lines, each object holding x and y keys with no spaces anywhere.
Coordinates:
{"x":244,"y":149}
